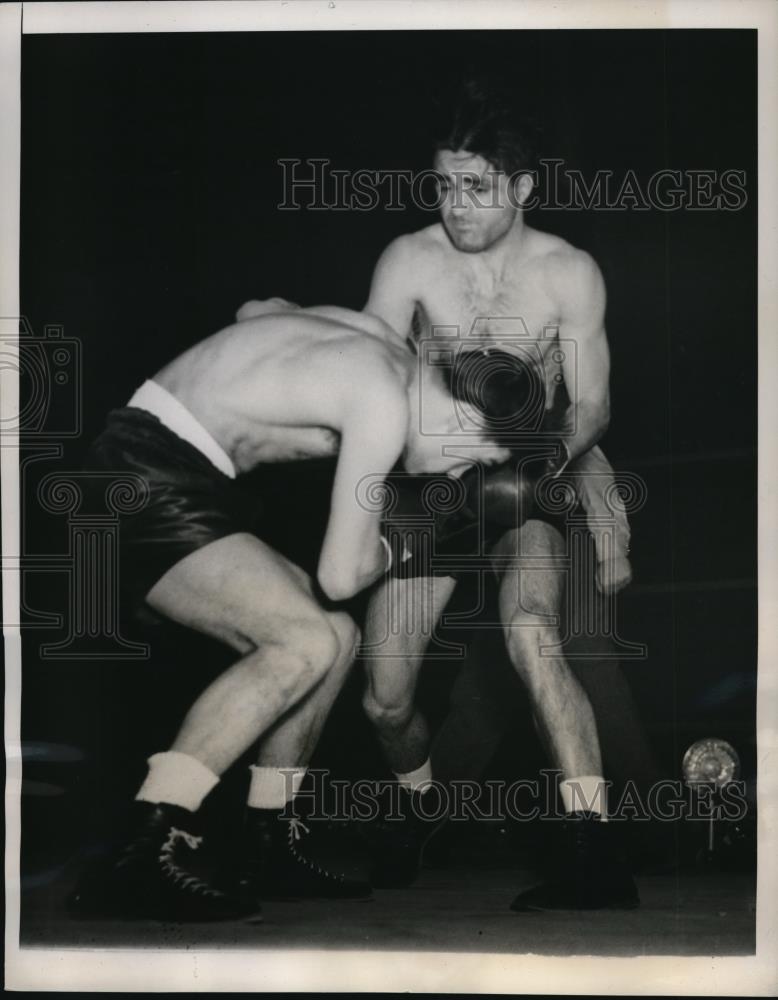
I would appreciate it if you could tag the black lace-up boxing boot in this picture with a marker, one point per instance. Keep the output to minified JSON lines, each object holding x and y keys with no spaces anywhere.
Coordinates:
{"x":157,"y":875}
{"x":275,"y":865}
{"x":587,"y":870}
{"x":397,"y":841}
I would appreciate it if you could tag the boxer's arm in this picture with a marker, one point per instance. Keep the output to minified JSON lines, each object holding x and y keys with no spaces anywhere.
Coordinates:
{"x":586,"y":369}
{"x":392,"y":297}
{"x":373,"y":431}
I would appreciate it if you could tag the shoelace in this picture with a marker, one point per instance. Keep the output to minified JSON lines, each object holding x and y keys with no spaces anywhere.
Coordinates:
{"x":179,"y":876}
{"x":295,"y":826}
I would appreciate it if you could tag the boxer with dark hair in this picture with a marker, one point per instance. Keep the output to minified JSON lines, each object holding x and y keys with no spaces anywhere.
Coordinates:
{"x":486,"y":124}
{"x":281,"y":384}
{"x":479,"y":280}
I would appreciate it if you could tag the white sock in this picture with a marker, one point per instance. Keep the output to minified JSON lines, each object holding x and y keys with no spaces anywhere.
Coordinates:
{"x":177,"y":779}
{"x":273,"y":787}
{"x":419,"y":780}
{"x":585,"y":794}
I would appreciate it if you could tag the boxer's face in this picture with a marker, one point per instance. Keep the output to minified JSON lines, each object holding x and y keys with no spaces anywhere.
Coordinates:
{"x":479,"y":203}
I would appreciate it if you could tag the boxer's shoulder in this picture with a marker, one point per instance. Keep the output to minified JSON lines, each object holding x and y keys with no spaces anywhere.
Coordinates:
{"x":414,"y":250}
{"x":568,"y":271}
{"x":549,"y":249}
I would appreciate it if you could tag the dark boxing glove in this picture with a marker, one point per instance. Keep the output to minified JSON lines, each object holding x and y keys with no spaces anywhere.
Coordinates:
{"x":423,"y":513}
{"x":509,"y":492}
{"x":433,"y":516}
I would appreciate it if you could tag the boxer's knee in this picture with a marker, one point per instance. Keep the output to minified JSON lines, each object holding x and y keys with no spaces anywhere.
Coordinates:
{"x":318,"y":647}
{"x":388,"y":714}
{"x":532,"y":589}
{"x":348,"y":637}
{"x":347,"y":634}
{"x":530,"y":603}
{"x":306,"y":651}
{"x":541,"y":535}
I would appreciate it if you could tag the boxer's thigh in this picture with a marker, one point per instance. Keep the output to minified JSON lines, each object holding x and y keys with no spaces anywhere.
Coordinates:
{"x":239,"y":590}
{"x":530,"y":565}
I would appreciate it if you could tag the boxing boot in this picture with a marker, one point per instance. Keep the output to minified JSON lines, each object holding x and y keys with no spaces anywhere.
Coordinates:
{"x":157,"y":874}
{"x":589,"y":871}
{"x":274,"y":864}
{"x":397,"y":842}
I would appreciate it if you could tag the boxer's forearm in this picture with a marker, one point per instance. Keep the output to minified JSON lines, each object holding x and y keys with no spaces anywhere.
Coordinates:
{"x":585,"y":423}
{"x":342,"y":578}
{"x":372,"y":439}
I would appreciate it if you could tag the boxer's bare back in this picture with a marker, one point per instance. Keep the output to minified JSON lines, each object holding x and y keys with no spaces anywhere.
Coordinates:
{"x":285,"y":384}
{"x":282,"y":384}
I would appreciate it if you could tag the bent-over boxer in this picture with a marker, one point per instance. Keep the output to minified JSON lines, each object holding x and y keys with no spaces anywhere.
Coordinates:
{"x":281,"y":384}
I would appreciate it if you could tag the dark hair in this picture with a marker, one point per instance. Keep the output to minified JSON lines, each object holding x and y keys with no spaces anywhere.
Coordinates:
{"x":484,"y":120}
{"x":506,"y":388}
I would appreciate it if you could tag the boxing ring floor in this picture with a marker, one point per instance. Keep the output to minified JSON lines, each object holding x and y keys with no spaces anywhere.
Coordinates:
{"x":463,"y":907}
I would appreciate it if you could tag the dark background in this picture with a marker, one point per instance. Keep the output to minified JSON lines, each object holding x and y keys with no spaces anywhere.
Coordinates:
{"x":149,"y":194}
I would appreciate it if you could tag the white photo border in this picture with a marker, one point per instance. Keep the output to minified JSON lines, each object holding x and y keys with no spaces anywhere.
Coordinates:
{"x":297,"y":970}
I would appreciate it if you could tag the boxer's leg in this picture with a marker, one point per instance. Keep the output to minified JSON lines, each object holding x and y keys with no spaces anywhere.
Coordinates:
{"x":401,"y":617}
{"x":296,"y":734}
{"x":587,"y":871}
{"x":482,"y":708}
{"x":530,"y":599}
{"x":274,"y":862}
{"x":626,"y":752}
{"x":483,"y":705}
{"x":239,"y":590}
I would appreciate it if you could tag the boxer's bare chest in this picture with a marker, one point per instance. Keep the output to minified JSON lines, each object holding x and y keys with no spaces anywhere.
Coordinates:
{"x":475,"y":307}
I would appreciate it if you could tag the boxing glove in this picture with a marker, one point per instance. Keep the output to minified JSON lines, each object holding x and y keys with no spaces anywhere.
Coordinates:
{"x":436,"y":515}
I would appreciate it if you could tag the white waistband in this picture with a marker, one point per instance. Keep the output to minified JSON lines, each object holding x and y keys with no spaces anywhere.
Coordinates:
{"x":175,"y":416}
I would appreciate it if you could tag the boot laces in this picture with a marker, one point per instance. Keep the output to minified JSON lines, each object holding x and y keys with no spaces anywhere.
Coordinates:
{"x":295,"y":826}
{"x":180,"y":877}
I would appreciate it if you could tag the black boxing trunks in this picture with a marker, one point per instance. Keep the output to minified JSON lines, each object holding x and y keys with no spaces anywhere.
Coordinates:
{"x":437,"y":525}
{"x":189,"y":501}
